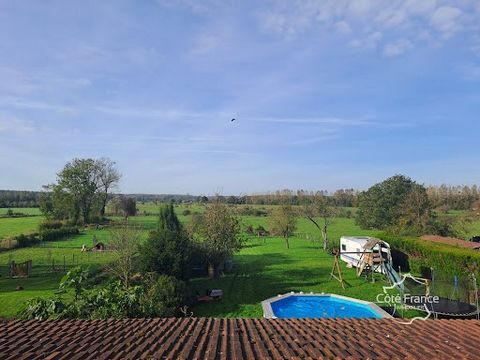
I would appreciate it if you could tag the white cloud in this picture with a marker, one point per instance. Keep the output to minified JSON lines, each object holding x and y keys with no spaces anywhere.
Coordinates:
{"x":435,"y":21}
{"x":342,"y":27}
{"x":446,"y":19}
{"x":397,"y":48}
{"x":369,"y":42}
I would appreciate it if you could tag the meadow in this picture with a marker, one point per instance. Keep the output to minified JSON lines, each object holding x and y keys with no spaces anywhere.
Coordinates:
{"x":263,"y":268}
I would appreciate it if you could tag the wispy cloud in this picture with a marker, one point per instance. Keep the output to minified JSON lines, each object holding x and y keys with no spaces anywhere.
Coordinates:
{"x":370,"y":23}
{"x":315,"y":120}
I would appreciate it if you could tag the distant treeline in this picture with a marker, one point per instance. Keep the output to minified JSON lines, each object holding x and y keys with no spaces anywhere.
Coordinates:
{"x":164,"y":198}
{"x":19,"y":199}
{"x":443,"y":197}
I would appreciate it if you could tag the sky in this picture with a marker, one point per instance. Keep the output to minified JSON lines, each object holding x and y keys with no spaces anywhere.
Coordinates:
{"x":326,"y":94}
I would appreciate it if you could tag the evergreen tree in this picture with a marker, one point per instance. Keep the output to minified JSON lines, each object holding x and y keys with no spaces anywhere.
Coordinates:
{"x":167,"y":249}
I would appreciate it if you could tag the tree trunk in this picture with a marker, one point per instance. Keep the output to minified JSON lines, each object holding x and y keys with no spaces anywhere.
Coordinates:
{"x":318,"y":227}
{"x":104,"y":203}
{"x":325,"y":237}
{"x":287,"y":244}
{"x":212,"y":271}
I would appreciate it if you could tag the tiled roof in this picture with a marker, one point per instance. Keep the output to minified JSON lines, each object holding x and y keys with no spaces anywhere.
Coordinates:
{"x":200,"y":338}
{"x":451,"y":241}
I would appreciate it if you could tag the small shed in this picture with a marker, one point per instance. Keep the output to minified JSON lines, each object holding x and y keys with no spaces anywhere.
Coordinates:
{"x":99,"y":247}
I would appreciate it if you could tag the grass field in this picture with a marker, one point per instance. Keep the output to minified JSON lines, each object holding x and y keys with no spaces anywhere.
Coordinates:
{"x":16,"y":226}
{"x":263,"y":268}
{"x":26,"y":211}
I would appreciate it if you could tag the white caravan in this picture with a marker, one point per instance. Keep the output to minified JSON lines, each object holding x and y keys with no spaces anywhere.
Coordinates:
{"x":353,"y":248}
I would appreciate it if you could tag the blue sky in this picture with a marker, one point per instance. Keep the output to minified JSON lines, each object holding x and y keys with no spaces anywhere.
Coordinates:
{"x":327,"y":94}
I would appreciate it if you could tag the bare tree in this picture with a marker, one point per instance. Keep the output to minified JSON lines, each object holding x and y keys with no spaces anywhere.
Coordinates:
{"x":284,"y":222}
{"x":124,"y":241}
{"x":315,"y":207}
{"x":108,"y":177}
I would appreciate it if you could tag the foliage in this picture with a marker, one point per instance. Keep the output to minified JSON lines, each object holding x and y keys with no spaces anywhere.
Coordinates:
{"x":397,"y":204}
{"x":167,"y":249}
{"x":19,"y":199}
{"x":446,"y":258}
{"x":125,"y":242}
{"x":26,"y":240}
{"x":50,"y":224}
{"x":284,"y":222}
{"x":318,"y":206}
{"x":152,"y":298}
{"x":124,"y":206}
{"x":81,"y":191}
{"x":57,"y":234}
{"x":219,"y":235}
{"x":162,"y":296}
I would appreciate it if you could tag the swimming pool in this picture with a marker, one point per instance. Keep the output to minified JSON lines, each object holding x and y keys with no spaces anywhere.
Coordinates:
{"x":290,"y":306}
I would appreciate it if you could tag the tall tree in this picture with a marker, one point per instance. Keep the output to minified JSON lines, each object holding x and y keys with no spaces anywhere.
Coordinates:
{"x":81,"y":190}
{"x":416,"y":212}
{"x":219,"y":235}
{"x":108,"y":177}
{"x":381,"y":205}
{"x":284,"y":222}
{"x":167,"y":249}
{"x":125,"y":242}
{"x":317,"y":207}
{"x":77,"y":186}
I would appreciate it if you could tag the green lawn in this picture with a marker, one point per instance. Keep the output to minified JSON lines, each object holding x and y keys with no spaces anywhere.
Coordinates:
{"x":26,"y":211}
{"x":16,"y":226}
{"x":263,"y":270}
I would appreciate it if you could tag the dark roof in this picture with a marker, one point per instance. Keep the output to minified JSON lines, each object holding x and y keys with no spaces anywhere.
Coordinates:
{"x":451,"y":241}
{"x":200,"y":338}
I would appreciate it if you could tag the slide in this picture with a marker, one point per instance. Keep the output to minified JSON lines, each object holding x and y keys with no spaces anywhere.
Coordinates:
{"x":394,"y":277}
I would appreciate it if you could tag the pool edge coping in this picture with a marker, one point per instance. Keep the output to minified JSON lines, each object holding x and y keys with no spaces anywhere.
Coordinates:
{"x":268,"y":311}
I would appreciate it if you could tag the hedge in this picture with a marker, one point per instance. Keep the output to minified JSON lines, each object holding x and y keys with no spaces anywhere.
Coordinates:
{"x":448,"y":259}
{"x":57,"y":234}
{"x":52,"y":234}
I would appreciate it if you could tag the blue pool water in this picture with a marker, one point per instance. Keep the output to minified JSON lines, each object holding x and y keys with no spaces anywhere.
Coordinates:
{"x":321,"y":307}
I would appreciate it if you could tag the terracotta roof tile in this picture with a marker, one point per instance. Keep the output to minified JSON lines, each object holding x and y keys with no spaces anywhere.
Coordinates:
{"x":199,"y":338}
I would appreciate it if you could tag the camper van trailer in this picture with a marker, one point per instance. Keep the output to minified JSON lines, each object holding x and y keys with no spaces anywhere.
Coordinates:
{"x":352,"y":248}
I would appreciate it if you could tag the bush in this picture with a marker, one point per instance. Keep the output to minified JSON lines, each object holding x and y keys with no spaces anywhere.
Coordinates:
{"x":58,"y":234}
{"x":50,"y":224}
{"x":26,"y":240}
{"x":162,"y":297}
{"x":156,"y":297}
{"x":186,"y":212}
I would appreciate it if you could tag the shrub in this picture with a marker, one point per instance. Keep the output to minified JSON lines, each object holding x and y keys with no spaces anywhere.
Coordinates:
{"x":186,"y":212}
{"x":57,"y":234}
{"x":162,"y":296}
{"x":249,"y":230}
{"x":156,"y":297}
{"x":26,"y":240}
{"x":50,"y":224}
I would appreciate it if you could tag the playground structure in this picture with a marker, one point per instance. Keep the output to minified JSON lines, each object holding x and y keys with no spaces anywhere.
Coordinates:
{"x":457,"y":296}
{"x":368,"y":255}
{"x":20,"y":270}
